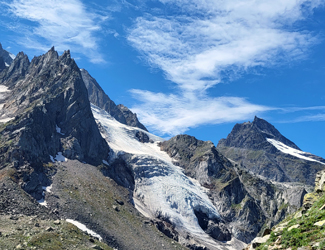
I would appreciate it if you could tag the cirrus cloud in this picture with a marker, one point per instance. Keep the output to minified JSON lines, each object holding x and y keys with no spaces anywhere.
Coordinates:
{"x":169,"y":114}
{"x":65,"y":24}
{"x":197,"y":43}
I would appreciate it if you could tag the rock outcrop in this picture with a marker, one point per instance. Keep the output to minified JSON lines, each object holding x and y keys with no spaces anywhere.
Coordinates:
{"x":250,"y":145}
{"x":98,"y":97}
{"x":301,"y":230}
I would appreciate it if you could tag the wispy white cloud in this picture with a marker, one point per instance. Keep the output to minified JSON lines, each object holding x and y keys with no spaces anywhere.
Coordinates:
{"x":304,"y":114}
{"x":169,"y":114}
{"x":66,"y":24}
{"x":198,"y":42}
{"x":193,"y":50}
{"x":298,"y":109}
{"x":318,"y":118}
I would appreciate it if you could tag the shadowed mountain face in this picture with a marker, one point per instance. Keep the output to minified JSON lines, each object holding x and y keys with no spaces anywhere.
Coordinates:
{"x":5,"y":58}
{"x":261,"y":148}
{"x":44,"y":111}
{"x":46,"y":101}
{"x":98,"y":97}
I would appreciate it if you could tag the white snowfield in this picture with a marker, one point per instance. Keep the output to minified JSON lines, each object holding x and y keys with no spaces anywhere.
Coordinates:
{"x":82,"y":227}
{"x":161,"y":188}
{"x":291,"y":151}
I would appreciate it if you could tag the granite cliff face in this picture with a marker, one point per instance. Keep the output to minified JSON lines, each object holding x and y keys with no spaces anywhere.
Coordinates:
{"x":45,"y":111}
{"x":259,"y":147}
{"x":247,"y":202}
{"x":98,"y":97}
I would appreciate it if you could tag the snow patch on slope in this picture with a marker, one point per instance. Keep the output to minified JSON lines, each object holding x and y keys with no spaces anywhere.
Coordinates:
{"x":59,"y":158}
{"x":4,"y":120}
{"x":45,"y":189}
{"x":291,"y":151}
{"x":82,"y":227}
{"x":58,"y":130}
{"x":42,"y":202}
{"x":161,"y":188}
{"x":12,"y":56}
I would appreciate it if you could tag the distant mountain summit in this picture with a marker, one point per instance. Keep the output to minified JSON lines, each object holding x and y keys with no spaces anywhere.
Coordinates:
{"x":6,"y":58}
{"x":261,"y":148}
{"x":98,"y":97}
{"x":252,"y":135}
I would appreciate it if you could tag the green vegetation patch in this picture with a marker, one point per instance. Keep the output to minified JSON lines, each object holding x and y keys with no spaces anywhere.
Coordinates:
{"x":306,"y":233}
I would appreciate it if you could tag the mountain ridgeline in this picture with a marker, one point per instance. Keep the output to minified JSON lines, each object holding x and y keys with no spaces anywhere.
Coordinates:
{"x":67,"y":151}
{"x":98,"y":97}
{"x":260,"y":148}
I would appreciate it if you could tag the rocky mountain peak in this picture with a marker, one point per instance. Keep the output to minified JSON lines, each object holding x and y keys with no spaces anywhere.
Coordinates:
{"x":260,"y":147}
{"x":66,"y":55}
{"x":17,"y":69}
{"x":269,"y":131}
{"x":48,"y":103}
{"x":242,"y":198}
{"x":6,"y":56}
{"x":253,"y":135}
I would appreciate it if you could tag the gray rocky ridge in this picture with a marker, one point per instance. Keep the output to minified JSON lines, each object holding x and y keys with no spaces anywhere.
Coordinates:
{"x":98,"y":97}
{"x":45,"y":95}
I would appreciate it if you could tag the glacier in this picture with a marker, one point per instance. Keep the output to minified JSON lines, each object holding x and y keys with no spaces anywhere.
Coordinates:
{"x":161,"y":190}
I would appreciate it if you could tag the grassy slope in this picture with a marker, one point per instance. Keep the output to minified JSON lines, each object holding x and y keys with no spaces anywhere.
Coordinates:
{"x":306,"y":234}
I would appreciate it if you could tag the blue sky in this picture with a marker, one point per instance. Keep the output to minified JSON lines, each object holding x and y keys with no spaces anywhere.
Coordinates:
{"x":195,"y":66}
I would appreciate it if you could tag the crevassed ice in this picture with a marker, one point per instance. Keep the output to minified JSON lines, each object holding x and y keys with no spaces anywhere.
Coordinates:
{"x":161,"y":188}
